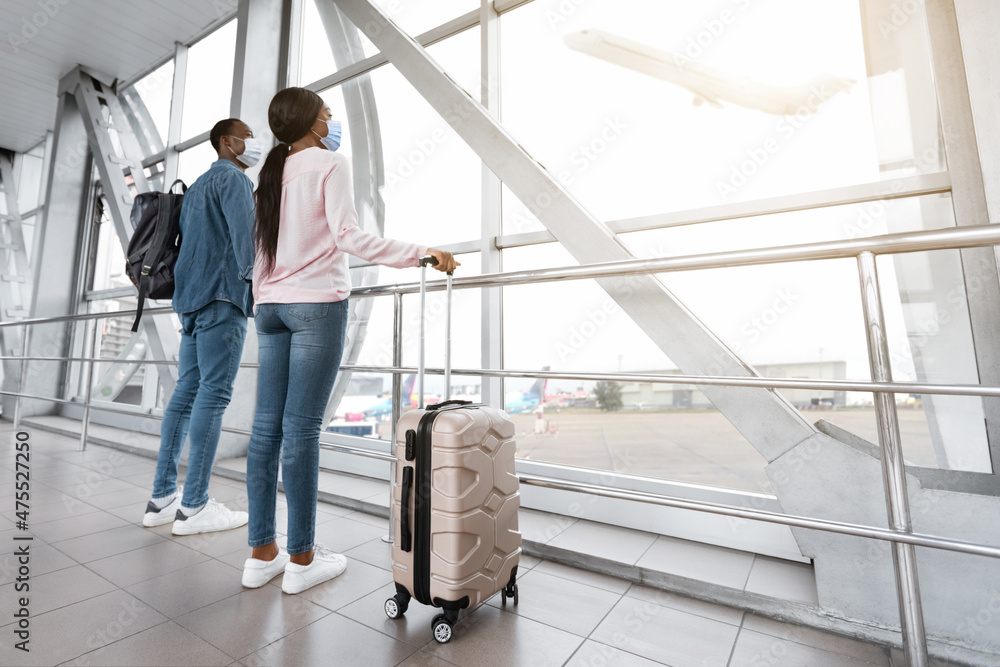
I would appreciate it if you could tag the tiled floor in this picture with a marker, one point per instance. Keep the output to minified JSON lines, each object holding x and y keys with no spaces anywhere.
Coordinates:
{"x":105,"y":591}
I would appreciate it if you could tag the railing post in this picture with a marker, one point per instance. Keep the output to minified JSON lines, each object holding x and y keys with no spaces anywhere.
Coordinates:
{"x":397,"y":401}
{"x":904,"y":558}
{"x":23,"y":373}
{"x":89,"y":349}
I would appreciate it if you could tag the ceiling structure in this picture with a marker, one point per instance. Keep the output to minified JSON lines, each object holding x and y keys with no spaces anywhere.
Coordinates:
{"x":41,"y":40}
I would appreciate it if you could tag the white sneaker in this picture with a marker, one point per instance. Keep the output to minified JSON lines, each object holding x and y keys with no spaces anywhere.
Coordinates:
{"x":154,"y":517}
{"x":257,"y":572}
{"x":325,"y":566}
{"x":214,"y":516}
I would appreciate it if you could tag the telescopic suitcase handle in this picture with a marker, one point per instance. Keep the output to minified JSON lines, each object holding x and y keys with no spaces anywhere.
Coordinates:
{"x":424,"y":262}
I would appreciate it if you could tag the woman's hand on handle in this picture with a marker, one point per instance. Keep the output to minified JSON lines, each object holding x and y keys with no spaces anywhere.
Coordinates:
{"x":445,"y":260}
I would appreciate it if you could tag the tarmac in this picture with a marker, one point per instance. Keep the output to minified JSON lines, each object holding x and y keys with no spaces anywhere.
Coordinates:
{"x":691,"y":446}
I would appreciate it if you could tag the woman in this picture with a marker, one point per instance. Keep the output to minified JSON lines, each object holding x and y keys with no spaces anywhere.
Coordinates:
{"x":306,"y":226}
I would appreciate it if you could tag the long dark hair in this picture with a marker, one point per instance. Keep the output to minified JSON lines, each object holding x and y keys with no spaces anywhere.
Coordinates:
{"x":290,"y":116}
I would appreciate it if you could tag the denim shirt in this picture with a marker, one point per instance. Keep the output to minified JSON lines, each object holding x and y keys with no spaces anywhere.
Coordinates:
{"x":217,"y":252}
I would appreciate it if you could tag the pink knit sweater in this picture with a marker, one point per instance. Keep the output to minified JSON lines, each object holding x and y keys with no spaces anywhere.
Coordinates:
{"x":319,"y":229}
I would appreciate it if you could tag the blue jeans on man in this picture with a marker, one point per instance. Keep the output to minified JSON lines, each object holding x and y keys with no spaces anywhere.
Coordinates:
{"x":210,"y":351}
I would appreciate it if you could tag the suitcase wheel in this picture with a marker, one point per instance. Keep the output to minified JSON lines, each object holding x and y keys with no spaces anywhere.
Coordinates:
{"x":442,"y":628}
{"x":509,"y":591}
{"x":395,"y":607}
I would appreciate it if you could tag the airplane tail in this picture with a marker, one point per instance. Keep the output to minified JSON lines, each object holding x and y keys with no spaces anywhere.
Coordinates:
{"x":408,"y":397}
{"x":538,"y":389}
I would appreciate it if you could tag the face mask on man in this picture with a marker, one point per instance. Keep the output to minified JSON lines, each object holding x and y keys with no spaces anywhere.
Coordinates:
{"x":252,"y":151}
{"x":334,"y":131}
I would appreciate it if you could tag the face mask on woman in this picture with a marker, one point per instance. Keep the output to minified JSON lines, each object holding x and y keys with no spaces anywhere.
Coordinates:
{"x":333,"y":133}
{"x":252,"y":151}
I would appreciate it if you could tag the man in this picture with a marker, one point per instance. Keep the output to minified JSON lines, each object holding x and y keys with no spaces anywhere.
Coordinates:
{"x":212,"y":297}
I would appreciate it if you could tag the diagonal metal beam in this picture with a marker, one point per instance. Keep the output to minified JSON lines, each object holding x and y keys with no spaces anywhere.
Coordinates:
{"x":89,"y":94}
{"x":769,"y":422}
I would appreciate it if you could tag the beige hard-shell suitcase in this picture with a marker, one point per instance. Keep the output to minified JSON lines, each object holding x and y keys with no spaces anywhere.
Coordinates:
{"x":455,"y":505}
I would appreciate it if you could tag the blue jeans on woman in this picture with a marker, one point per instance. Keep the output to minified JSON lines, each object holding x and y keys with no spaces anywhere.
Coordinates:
{"x":300,"y":349}
{"x":210,"y":351}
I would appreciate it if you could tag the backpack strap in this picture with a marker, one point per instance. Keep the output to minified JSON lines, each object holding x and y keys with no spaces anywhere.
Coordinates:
{"x":152,"y":258}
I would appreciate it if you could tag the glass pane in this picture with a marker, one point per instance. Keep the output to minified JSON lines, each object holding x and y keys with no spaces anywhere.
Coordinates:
{"x":833,"y":223}
{"x":419,"y":16}
{"x":609,"y":111}
{"x":925,"y":299}
{"x":208,"y":85}
{"x":29,"y":182}
{"x":317,"y":58}
{"x":113,"y":335}
{"x":149,"y":102}
{"x":195,"y":161}
{"x":109,"y":256}
{"x":432,"y":187}
{"x":28,"y":232}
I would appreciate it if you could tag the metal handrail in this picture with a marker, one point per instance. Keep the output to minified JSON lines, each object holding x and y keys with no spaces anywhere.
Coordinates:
{"x":944,"y":389}
{"x":939,"y":239}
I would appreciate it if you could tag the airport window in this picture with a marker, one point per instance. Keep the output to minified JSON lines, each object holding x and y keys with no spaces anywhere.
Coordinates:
{"x":208,"y":83}
{"x":419,"y":16}
{"x":28,"y":177}
{"x":635,"y":129}
{"x":148,"y":100}
{"x":195,"y":161}
{"x":432,"y":180}
{"x":316,"y":57}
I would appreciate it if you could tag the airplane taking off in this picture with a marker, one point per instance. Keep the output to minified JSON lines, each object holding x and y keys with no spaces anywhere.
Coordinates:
{"x":707,"y":83}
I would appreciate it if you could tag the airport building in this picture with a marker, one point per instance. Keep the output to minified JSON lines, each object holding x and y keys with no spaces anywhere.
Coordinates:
{"x":729,"y":268}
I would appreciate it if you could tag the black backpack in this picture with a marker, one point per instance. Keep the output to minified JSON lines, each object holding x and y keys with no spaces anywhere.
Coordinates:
{"x":155,"y":244}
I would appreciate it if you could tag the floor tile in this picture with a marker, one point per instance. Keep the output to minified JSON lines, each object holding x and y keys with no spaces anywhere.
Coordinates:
{"x":132,"y":497}
{"x":370,"y":519}
{"x":190,"y":588}
{"x":611,"y":542}
{"x":88,"y":485}
{"x":65,"y":507}
{"x":357,"y":581}
{"x":214,"y":544}
{"x":422,"y":659}
{"x":374,"y":552}
{"x":332,"y":639}
{"x":594,"y":653}
{"x":75,"y":629}
{"x":166,"y":645}
{"x":77,"y":526}
{"x":380,"y":499}
{"x":490,"y":637}
{"x":754,"y":649}
{"x":666,"y":635}
{"x":244,"y":623}
{"x":541,"y":526}
{"x":60,"y":588}
{"x":343,"y":534}
{"x":783,"y":579}
{"x":106,"y":543}
{"x":716,"y":612}
{"x":561,"y":603}
{"x":42,"y":559}
{"x":353,"y":487}
{"x":594,"y":579}
{"x":815,"y":638}
{"x":704,"y":562}
{"x":146,"y":563}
